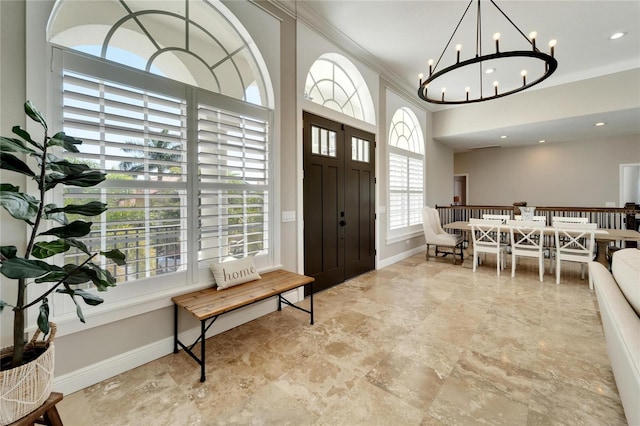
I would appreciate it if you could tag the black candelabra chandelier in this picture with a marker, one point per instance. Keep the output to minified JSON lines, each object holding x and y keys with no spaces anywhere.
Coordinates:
{"x":463,"y":72}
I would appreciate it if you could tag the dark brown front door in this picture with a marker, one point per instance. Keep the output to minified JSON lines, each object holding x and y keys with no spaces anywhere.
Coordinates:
{"x":339,"y":201}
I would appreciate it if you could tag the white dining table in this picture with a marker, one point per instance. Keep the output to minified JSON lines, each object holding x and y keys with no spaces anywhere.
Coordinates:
{"x":603,"y":237}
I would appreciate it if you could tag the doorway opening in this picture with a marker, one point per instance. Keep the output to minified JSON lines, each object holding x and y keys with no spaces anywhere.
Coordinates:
{"x":460,"y":189}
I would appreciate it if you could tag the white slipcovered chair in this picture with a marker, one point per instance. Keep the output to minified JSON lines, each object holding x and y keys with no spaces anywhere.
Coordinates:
{"x":434,"y":235}
{"x":575,"y":243}
{"x":486,"y":239}
{"x":527,"y":240}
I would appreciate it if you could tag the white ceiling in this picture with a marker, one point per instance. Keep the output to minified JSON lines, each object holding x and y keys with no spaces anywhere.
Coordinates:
{"x":401,"y":36}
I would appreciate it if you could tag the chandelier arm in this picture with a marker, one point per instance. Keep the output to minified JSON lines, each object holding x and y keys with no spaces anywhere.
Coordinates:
{"x":479,"y":47}
{"x":479,"y":31}
{"x":452,"y":35}
{"x":512,"y":23}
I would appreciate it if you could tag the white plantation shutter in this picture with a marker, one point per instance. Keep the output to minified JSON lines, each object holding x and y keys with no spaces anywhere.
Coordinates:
{"x":405,"y":191}
{"x":139,"y":139}
{"x":415,"y":188}
{"x":233,"y":184}
{"x":398,"y":197}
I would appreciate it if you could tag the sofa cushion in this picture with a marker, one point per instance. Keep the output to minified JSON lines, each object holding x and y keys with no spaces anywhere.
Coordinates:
{"x":626,"y":271}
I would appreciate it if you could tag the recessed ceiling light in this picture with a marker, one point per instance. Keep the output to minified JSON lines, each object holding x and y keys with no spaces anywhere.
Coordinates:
{"x":489,"y":70}
{"x":616,"y":36}
{"x":601,"y":123}
{"x":503,"y":137}
{"x":542,"y":141}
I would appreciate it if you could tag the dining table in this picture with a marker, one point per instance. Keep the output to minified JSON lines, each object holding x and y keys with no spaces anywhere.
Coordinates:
{"x":603,"y":237}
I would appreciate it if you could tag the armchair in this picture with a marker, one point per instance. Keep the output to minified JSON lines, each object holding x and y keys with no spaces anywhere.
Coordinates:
{"x":438,"y":237}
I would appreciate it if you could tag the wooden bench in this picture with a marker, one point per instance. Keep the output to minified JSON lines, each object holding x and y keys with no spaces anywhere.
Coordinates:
{"x":208,"y":304}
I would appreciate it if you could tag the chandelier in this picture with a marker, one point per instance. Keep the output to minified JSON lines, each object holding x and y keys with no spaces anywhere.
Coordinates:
{"x":519,"y":69}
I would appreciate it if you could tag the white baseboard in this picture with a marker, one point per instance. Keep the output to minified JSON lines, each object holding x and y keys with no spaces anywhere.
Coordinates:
{"x":398,"y":257}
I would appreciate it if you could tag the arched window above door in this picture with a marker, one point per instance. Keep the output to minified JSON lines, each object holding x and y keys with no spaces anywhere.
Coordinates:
{"x":334,"y":82}
{"x":172,"y":39}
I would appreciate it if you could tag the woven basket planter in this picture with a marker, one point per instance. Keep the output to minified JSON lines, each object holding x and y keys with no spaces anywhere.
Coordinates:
{"x":25,"y":388}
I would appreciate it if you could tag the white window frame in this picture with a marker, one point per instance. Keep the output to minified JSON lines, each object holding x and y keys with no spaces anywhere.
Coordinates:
{"x":145,"y":295}
{"x":405,"y":126}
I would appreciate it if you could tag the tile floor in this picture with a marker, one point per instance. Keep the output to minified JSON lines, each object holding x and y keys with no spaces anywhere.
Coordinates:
{"x":415,"y":343}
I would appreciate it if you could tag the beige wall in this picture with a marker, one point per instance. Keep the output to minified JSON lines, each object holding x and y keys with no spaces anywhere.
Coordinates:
{"x":581,"y":173}
{"x":12,"y":96}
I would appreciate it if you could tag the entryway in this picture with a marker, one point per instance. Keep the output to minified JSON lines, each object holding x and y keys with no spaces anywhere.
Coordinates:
{"x":339,"y":201}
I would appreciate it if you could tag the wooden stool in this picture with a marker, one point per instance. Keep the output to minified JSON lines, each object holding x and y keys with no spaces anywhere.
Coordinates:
{"x":47,"y":414}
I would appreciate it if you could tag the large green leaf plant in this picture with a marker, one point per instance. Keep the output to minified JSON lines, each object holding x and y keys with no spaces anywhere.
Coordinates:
{"x":32,"y":269}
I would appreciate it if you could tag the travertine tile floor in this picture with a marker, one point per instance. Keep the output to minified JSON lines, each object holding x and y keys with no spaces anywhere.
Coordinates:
{"x":415,"y":343}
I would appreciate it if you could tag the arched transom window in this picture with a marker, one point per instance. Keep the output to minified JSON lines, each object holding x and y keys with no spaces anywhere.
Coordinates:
{"x":406,"y":170}
{"x":334,"y":82}
{"x":197,"y":42}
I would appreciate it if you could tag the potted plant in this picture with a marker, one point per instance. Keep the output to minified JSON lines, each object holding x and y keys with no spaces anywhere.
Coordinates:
{"x":35,"y":268}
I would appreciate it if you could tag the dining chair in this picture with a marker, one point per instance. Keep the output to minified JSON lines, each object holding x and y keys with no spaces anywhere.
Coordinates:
{"x":502,"y":217}
{"x":438,"y":237}
{"x":527,"y":240}
{"x":574,"y":243}
{"x":486,"y":239}
{"x":563,"y":219}
{"x":559,"y":220}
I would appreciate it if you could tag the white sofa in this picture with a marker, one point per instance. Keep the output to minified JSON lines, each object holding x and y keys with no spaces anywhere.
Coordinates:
{"x":618,"y":295}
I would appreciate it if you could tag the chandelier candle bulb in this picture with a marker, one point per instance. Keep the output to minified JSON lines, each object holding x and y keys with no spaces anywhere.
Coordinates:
{"x":523,"y":73}
{"x":444,"y":89}
{"x":495,"y":87}
{"x":552,"y":45}
{"x":532,"y":36}
{"x":420,"y":76}
{"x":496,"y":37}
{"x":458,"y":49}
{"x":466,"y":90}
{"x":430,"y":67}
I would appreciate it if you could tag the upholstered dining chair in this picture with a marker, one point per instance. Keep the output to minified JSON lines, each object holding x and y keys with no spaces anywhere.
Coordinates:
{"x":527,"y":240}
{"x":574,"y":243}
{"x":486,"y":239}
{"x":434,"y":235}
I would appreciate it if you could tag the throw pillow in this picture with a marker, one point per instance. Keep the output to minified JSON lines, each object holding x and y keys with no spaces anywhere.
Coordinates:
{"x":228,"y":274}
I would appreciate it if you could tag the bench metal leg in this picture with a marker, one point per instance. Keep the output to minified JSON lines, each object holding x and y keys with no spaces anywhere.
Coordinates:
{"x":189,"y":349}
{"x":282,"y":299}
{"x":175,"y":329}
{"x":311,"y":300}
{"x":202,"y":340}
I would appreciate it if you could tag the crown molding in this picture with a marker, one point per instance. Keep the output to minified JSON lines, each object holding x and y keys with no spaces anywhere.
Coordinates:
{"x":301,"y":12}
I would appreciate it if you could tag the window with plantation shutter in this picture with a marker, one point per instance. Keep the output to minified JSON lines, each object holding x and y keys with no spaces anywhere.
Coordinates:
{"x":188,"y":179}
{"x":406,"y":172}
